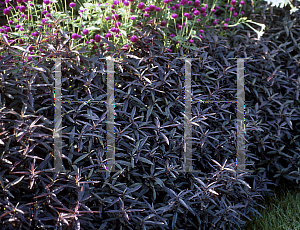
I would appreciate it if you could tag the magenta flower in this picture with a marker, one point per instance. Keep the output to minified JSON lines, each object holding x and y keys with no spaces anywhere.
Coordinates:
{"x":35,"y":34}
{"x":44,"y":20}
{"x":200,"y":36}
{"x":116,"y":2}
{"x":235,"y":14}
{"x":74,"y":36}
{"x":157,"y":9}
{"x":231,"y":9}
{"x":152,"y":7}
{"x":186,"y":14}
{"x":174,"y":16}
{"x":7,"y":29}
{"x":172,"y":35}
{"x":147,"y":9}
{"x":146,"y":15}
{"x":191,"y":41}
{"x":242,"y":12}
{"x":47,"y":15}
{"x":217,"y":7}
{"x":117,"y":24}
{"x":190,"y":17}
{"x":108,"y":35}
{"x":196,"y":12}
{"x":18,"y":26}
{"x":190,"y":3}
{"x":225,"y":27}
{"x":134,"y":38}
{"x":46,"y":2}
{"x":126,"y":3}
{"x":72,"y":4}
{"x":132,"y":18}
{"x":141,"y":5}
{"x":6,"y":11}
{"x":202,"y":10}
{"x":177,"y":6}
{"x":242,"y":3}
{"x":29,"y":58}
{"x":169,"y":50}
{"x":22,"y":9}
{"x":201,"y":31}
{"x":29,"y":17}
{"x":106,"y":18}
{"x":115,"y":17}
{"x":85,"y":31}
{"x":213,"y":10}
{"x":233,"y":2}
{"x":173,"y":8}
{"x":163,"y":23}
{"x":44,"y":12}
{"x":196,"y":3}
{"x":227,"y":20}
{"x":204,"y":14}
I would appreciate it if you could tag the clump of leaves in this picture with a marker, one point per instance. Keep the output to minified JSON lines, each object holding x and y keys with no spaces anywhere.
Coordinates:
{"x":147,"y":191}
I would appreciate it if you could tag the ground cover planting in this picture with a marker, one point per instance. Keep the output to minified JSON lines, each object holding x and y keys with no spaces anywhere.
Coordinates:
{"x":148,"y":41}
{"x":178,"y":23}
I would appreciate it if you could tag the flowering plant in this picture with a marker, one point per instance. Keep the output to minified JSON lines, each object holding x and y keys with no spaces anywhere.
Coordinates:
{"x":282,"y":3}
{"x":180,"y":23}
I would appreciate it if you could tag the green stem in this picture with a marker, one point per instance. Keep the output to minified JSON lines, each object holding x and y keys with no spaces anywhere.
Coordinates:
{"x":9,"y":24}
{"x":175,"y":25}
{"x":65,"y":5}
{"x":192,"y":27}
{"x":226,"y":9}
{"x":79,"y":24}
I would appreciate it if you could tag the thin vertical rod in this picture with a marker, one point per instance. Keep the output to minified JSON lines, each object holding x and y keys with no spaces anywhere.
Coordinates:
{"x":57,"y":132}
{"x":188,"y":165}
{"x":110,"y":116}
{"x":240,"y":116}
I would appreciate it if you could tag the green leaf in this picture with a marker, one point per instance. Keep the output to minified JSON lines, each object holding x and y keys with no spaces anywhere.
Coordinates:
{"x":92,"y":28}
{"x":124,"y":33}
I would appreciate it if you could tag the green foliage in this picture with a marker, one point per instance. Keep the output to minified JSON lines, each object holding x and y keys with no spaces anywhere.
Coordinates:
{"x":282,"y":211}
